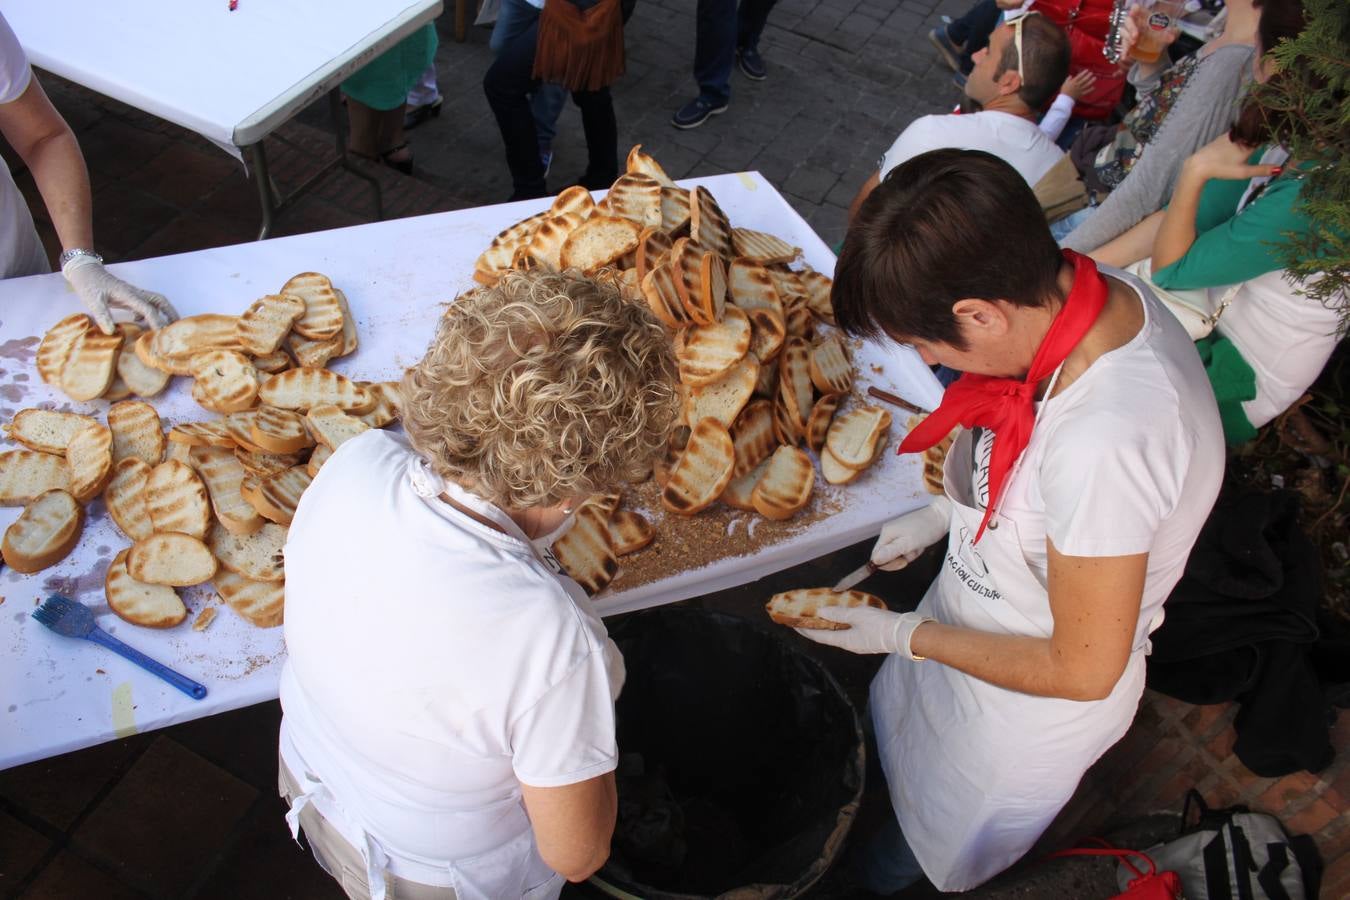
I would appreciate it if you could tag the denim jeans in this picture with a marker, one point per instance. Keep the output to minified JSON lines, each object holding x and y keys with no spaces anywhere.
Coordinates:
{"x":548,"y":100}
{"x":973,"y":30}
{"x":721,"y":29}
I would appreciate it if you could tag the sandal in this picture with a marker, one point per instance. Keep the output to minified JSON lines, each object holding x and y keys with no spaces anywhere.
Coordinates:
{"x":404,"y":165}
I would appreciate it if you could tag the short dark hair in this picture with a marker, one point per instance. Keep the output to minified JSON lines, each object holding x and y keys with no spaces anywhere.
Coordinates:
{"x":1045,"y":60}
{"x":944,"y":226}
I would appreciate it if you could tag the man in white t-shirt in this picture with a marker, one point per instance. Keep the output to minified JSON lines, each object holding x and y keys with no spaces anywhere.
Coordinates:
{"x":1014,"y":79}
{"x":45,"y":143}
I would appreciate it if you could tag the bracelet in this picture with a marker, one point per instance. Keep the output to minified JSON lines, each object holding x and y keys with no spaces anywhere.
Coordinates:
{"x":912,"y":655}
{"x":68,"y":256}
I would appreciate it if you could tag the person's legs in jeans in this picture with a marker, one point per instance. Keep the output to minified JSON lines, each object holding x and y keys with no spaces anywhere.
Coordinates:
{"x":547,"y":102}
{"x":967,"y":35}
{"x":602,"y":137}
{"x":513,"y":17}
{"x":715,"y":50}
{"x":507,"y":84}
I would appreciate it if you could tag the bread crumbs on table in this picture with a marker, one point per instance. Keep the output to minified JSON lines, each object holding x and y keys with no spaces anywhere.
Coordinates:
{"x":100,"y":672}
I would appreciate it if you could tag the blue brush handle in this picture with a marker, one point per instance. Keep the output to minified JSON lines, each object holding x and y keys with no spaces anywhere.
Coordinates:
{"x":182,"y":682}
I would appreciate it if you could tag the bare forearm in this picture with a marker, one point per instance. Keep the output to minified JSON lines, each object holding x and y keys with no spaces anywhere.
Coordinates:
{"x":59,"y":171}
{"x":1028,"y":665}
{"x":1131,"y":246}
{"x":1176,"y":234}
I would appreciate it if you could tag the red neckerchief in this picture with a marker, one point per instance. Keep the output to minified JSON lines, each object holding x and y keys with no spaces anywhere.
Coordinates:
{"x":1006,"y":405}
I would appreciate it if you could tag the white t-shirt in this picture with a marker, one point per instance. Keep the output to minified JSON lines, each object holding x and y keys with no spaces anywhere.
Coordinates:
{"x":21,"y":251}
{"x":434,"y":664}
{"x":1013,"y":139}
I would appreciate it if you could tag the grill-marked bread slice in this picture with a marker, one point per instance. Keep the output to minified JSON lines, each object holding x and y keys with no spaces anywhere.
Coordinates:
{"x":643,"y":163}
{"x":263,"y":465}
{"x":223,"y":475}
{"x":261,"y":603}
{"x":707,"y":223}
{"x":322,"y":317}
{"x":92,"y":363}
{"x":800,"y":323}
{"x":636,"y":196}
{"x":494,"y":262}
{"x":150,"y":605}
{"x":836,"y":472}
{"x":388,"y":403}
{"x":313,"y":354}
{"x":317,"y":459}
{"x":786,"y":484}
{"x":822,"y":414}
{"x":753,"y":436}
{"x":278,"y":495}
{"x":703,"y":470}
{"x":707,"y":352}
{"x":279,"y":430}
{"x":605,"y":504}
{"x":741,"y":489}
{"x":57,"y":345}
{"x":46,"y":530}
{"x":853,"y":436}
{"x":173,"y":346}
{"x":831,"y":371}
{"x":767,"y":333}
{"x":176,"y":499}
{"x":762,"y":248}
{"x":520,"y":232}
{"x":934,"y":457}
{"x":140,"y":379}
{"x":674,"y":211}
{"x":256,"y":556}
{"x":267,"y":321}
{"x":144,"y":350}
{"x":576,"y":200}
{"x":136,"y":431}
{"x":794,"y":382}
{"x":585,"y":553}
{"x":348,"y":339}
{"x":304,"y":388}
{"x":652,"y":250}
{"x":724,"y":398}
{"x":798,"y":608}
{"x":751,"y":286}
{"x":687,"y":270}
{"x":89,"y":456}
{"x":332,"y":427}
{"x":273,"y":363}
{"x":599,"y":241}
{"x":818,"y":288}
{"x":545,"y":246}
{"x":766,"y":384}
{"x":46,"y":430}
{"x":239,"y":425}
{"x":125,"y":498}
{"x":201,"y":434}
{"x":662,"y":296}
{"x":629,"y":532}
{"x":178,"y":560}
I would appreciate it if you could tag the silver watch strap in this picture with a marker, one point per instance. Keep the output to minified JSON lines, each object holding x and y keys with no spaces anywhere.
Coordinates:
{"x":75,"y":253}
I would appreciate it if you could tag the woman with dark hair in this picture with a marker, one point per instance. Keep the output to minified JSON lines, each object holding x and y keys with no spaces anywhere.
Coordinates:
{"x":1218,"y":248}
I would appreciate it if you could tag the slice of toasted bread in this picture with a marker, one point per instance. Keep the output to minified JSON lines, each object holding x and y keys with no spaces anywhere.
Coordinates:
{"x":348,"y":339}
{"x":57,"y":345}
{"x":313,"y":354}
{"x":830,"y":368}
{"x":686,"y":268}
{"x":576,"y":200}
{"x":707,"y":352}
{"x":256,"y":556}
{"x":279,"y":430}
{"x":201,"y":434}
{"x":273,"y":363}
{"x":674,"y":211}
{"x":261,"y":603}
{"x":605,"y":503}
{"x":140,"y":379}
{"x":724,"y":398}
{"x":637,"y":197}
{"x":332,"y":427}
{"x":173,"y":346}
{"x":267,"y":321}
{"x":388,"y":402}
{"x":767,"y":333}
{"x":822,"y":414}
{"x":304,"y":388}
{"x":652,"y":250}
{"x":703,"y":470}
{"x":265,"y":464}
{"x":585,"y":553}
{"x":176,"y":499}
{"x":136,"y":431}
{"x":92,"y":363}
{"x":278,"y":495}
{"x":317,"y":459}
{"x":759,"y":247}
{"x":818,"y":288}
{"x":520,"y":232}
{"x":322,"y":317}
{"x":494,"y":262}
{"x":118,"y":390}
{"x":144,"y":350}
{"x":178,"y":560}
{"x":753,"y":436}
{"x":629,"y":532}
{"x":707,"y":223}
{"x":741,"y":489}
{"x":800,"y":323}
{"x":797,"y":609}
{"x":598,"y":241}
{"x":662,"y":296}
{"x":661,"y":467}
{"x":786,"y":484}
{"x":46,"y":430}
{"x":794,"y":382}
{"x":46,"y":530}
{"x":766,"y":384}
{"x":223,"y":474}
{"x":125,"y":498}
{"x":204,"y":618}
{"x":854,"y":435}
{"x":834,"y":471}
{"x":934,"y":457}
{"x":89,"y":456}
{"x":179,"y":451}
{"x":751,"y":286}
{"x":150,"y":605}
{"x":643,"y":163}
{"x":545,"y":247}
{"x":239,"y":425}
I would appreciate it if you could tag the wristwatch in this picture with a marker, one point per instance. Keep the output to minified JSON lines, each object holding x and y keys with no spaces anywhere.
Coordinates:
{"x":75,"y":252}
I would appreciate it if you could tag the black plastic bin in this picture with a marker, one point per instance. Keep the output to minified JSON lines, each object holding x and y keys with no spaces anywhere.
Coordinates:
{"x":741,"y":762}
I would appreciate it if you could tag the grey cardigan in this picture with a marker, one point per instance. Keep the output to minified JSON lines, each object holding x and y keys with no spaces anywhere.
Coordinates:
{"x":1205,"y":110}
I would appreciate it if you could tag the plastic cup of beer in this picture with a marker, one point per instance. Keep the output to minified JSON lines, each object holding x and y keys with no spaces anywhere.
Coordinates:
{"x":1160,"y":17}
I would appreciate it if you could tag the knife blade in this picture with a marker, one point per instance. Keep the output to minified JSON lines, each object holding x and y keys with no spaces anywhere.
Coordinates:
{"x":857,"y":575}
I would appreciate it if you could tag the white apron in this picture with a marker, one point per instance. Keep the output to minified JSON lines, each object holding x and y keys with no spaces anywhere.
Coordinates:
{"x":977,"y":772}
{"x":513,"y":868}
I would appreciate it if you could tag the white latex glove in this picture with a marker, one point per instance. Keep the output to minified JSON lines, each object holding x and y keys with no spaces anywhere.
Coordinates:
{"x":870,"y":630}
{"x":903,"y":539}
{"x":103,"y":291}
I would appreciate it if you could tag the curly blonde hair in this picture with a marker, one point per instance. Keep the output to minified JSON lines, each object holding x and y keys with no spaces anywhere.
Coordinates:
{"x":545,"y":387}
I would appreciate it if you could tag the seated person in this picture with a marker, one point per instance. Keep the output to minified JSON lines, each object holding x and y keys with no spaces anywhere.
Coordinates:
{"x":1014,"y":78}
{"x":448,"y":700}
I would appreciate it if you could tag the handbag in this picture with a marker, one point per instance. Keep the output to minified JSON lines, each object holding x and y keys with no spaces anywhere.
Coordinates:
{"x":1143,"y":885}
{"x":1193,"y":308}
{"x":1060,"y":191}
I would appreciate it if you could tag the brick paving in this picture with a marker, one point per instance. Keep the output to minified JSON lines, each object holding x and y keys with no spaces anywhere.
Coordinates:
{"x":191,"y":811}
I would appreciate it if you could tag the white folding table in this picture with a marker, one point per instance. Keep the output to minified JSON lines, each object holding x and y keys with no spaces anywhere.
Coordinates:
{"x":231,"y":76}
{"x":58,"y":694}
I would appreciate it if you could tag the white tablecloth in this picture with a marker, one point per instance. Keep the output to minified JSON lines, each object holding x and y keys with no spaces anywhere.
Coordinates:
{"x":58,"y":694}
{"x":232,"y":77}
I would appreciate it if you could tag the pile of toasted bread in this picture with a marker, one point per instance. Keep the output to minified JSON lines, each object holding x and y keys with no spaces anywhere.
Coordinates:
{"x":762,"y":389}
{"x":212,"y":502}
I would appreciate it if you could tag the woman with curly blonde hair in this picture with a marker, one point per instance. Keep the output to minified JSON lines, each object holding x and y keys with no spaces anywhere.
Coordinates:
{"x":448,"y":699}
